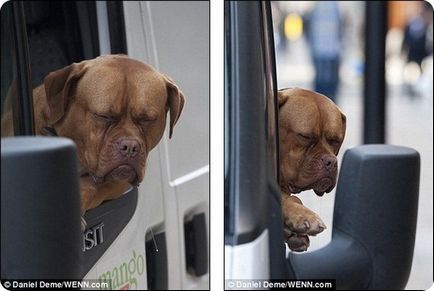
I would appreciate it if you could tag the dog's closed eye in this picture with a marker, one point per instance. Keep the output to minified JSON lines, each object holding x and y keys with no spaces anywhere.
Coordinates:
{"x":305,"y":137}
{"x":333,"y":141}
{"x":104,"y":118}
{"x":146,"y":119}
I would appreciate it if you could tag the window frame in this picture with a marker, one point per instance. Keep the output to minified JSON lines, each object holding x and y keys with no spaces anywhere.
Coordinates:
{"x":22,"y":105}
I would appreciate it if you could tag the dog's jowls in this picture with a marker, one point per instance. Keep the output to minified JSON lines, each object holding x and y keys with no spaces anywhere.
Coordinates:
{"x":114,"y":108}
{"x":311,"y":132}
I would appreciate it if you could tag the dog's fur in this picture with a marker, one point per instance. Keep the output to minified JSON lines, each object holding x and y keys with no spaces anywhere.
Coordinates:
{"x":114,"y":108}
{"x":311,"y":132}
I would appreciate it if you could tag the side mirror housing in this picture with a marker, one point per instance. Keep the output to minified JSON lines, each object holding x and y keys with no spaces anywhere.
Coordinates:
{"x":374,"y":221}
{"x":40,"y":209}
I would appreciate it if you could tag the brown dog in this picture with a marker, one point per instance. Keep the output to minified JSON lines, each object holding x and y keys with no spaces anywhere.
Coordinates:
{"x":114,"y":108}
{"x":311,"y":132}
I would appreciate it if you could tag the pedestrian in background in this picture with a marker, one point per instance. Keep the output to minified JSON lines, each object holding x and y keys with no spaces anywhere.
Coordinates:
{"x":416,"y":45}
{"x":324,"y":31}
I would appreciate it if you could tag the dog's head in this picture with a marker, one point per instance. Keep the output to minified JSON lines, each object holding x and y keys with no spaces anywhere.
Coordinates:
{"x":114,"y":108}
{"x":311,"y":132}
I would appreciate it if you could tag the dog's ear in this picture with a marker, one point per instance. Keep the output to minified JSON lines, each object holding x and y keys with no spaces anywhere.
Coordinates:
{"x":58,"y":86}
{"x":281,"y":97}
{"x":175,"y":102}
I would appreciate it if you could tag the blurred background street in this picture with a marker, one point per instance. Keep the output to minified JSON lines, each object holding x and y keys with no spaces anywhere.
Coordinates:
{"x":409,"y":100}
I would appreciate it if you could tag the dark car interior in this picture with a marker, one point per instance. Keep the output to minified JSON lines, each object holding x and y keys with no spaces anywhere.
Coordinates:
{"x":59,"y":34}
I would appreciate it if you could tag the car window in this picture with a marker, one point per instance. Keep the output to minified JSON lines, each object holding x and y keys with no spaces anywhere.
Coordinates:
{"x":59,"y":33}
{"x":8,"y":70}
{"x":53,"y":35}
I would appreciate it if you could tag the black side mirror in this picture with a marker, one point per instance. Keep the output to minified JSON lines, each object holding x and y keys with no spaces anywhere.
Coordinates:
{"x":40,"y":209}
{"x":374,"y":222}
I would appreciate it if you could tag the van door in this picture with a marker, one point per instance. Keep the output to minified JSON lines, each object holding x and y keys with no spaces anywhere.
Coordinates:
{"x":184,"y":159}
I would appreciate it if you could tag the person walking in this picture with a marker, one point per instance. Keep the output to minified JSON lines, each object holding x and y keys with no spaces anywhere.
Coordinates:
{"x":324,"y":35}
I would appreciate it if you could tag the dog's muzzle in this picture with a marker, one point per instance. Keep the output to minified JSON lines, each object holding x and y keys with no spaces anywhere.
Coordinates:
{"x":324,"y":185}
{"x":122,"y":172}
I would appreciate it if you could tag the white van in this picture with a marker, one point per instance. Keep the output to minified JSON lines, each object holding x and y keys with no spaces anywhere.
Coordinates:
{"x":155,"y":236}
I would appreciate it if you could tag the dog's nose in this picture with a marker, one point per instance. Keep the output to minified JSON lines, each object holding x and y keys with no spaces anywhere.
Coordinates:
{"x":330,"y":162}
{"x":129,"y":147}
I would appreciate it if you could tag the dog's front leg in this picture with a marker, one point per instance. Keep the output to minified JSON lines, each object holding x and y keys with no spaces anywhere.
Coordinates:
{"x":299,"y":222}
{"x":88,"y":192}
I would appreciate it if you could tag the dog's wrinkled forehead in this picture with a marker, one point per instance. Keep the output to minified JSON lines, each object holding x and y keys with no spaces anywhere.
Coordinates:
{"x":111,"y":84}
{"x":322,"y":113}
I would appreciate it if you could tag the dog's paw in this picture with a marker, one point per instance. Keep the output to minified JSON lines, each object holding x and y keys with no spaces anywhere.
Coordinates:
{"x":295,"y":242}
{"x":300,"y":220}
{"x":305,"y":224}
